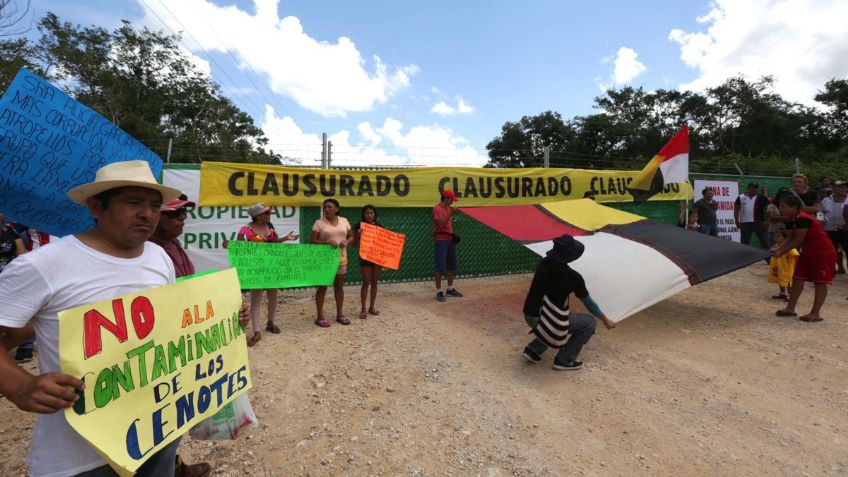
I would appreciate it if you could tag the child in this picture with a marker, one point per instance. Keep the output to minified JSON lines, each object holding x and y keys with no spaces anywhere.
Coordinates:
{"x":782,"y":268}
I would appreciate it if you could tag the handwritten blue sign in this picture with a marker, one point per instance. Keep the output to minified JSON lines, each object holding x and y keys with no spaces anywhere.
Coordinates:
{"x":49,"y":144}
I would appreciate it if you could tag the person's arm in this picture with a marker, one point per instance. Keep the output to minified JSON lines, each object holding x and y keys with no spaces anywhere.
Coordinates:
{"x":796,"y":238}
{"x":288,"y":237}
{"x":44,"y":394}
{"x":812,"y":209}
{"x":20,"y":249}
{"x":736,"y":217}
{"x":348,"y":238}
{"x":845,"y":217}
{"x":595,"y":310}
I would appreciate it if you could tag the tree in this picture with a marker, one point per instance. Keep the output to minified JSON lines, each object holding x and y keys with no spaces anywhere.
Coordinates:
{"x":143,"y":82}
{"x":522,"y":144}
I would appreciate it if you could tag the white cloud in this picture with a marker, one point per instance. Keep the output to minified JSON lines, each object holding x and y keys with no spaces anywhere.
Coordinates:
{"x":444,"y":109}
{"x":386,"y":145}
{"x":802,"y":43}
{"x":626,"y":68}
{"x":331,"y":79}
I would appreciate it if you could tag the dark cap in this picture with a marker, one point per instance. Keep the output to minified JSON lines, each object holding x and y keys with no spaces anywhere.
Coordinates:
{"x":752,"y":184}
{"x":566,"y":249}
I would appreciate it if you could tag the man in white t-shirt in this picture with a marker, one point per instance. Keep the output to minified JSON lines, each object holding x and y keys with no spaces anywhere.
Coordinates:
{"x":833,"y":207}
{"x":112,"y":258}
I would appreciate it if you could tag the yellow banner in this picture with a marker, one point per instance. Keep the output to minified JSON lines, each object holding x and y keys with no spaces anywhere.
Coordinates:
{"x":227,"y":184}
{"x":155,"y":364}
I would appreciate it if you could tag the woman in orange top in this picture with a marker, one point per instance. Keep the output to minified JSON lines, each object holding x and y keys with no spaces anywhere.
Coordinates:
{"x":336,"y":232}
{"x":261,"y":230}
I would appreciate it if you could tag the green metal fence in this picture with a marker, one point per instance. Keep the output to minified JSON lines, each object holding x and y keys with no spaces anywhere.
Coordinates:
{"x":481,"y":252}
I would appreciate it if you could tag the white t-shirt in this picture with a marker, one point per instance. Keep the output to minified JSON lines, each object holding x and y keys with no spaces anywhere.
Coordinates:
{"x":36,"y":287}
{"x":833,"y":213}
{"x":746,"y":208}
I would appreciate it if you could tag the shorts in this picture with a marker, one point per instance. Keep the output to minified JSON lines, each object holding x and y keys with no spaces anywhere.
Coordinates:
{"x":838,"y":238}
{"x":445,"y":255}
{"x":815,"y":267}
{"x":366,"y":263}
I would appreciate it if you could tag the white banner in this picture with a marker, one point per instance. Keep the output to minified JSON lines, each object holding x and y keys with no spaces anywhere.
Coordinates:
{"x":206,"y":228}
{"x":725,"y":194}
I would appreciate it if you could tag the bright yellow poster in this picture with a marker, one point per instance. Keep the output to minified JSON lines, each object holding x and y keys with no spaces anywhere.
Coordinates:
{"x":155,"y":363}
{"x":230,"y":184}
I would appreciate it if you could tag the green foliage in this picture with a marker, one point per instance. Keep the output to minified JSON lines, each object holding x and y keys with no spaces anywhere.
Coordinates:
{"x":143,"y":82}
{"x":739,"y":122}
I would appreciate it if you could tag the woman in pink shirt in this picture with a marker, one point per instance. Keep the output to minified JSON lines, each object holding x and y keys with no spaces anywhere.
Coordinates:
{"x":334,"y":231}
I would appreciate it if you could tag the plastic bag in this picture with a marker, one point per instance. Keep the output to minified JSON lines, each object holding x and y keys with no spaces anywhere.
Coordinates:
{"x":228,"y":423}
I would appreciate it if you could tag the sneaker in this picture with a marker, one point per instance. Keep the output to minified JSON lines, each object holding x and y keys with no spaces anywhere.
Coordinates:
{"x":440,"y":296}
{"x":568,"y":366}
{"x":531,"y":355}
{"x":23,"y":355}
{"x":454,"y":292}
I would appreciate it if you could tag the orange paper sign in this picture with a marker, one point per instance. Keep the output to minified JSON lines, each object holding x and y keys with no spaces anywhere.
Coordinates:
{"x":381,"y":246}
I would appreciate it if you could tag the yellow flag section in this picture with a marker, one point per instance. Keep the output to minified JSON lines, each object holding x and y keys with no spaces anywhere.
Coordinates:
{"x":588,"y":215}
{"x":226,"y":184}
{"x":154,"y":363}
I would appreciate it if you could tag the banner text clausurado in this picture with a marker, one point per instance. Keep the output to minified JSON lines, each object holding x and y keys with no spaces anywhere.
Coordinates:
{"x":227,"y":184}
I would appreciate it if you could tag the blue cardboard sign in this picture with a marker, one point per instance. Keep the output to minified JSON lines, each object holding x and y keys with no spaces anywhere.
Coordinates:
{"x":49,"y":144}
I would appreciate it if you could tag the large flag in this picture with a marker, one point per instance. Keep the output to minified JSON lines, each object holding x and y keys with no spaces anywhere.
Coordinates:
{"x":630,"y":262}
{"x":670,"y":165}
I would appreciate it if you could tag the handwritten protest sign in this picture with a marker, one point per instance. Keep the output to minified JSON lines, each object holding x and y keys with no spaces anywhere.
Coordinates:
{"x":154,"y":363}
{"x":277,"y":265}
{"x":49,"y":144}
{"x":381,"y":246}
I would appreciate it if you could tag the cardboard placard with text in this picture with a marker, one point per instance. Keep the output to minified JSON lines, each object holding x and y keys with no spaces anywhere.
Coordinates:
{"x":381,"y":246}
{"x":154,"y":363}
{"x":49,"y":144}
{"x":264,"y":265}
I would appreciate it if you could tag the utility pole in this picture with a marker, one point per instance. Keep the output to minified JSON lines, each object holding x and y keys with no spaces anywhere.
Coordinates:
{"x":329,"y":153}
{"x":170,"y":143}
{"x":797,"y":165}
{"x":323,"y":150}
{"x":547,"y":151}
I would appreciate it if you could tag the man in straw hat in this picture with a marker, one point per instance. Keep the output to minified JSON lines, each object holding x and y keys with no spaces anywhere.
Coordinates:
{"x":110,"y":259}
{"x":546,"y":307}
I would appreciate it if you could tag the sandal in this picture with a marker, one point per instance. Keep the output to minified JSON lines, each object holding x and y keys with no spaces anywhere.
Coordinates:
{"x":273,"y":328}
{"x":363,"y":315}
{"x":374,"y":312}
{"x":780,"y":296}
{"x":343,"y":320}
{"x":785,"y":313}
{"x":254,"y":339}
{"x":322,"y":323}
{"x":811,"y":318}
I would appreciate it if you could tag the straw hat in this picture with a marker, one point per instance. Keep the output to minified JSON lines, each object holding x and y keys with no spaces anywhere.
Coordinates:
{"x":122,"y":174}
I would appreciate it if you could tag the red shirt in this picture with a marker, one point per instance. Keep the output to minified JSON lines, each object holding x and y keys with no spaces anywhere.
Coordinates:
{"x":182,"y":264}
{"x":816,"y":239}
{"x":442,"y":212}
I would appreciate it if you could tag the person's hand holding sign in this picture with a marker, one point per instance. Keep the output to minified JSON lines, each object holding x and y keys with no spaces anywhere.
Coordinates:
{"x":45,"y":394}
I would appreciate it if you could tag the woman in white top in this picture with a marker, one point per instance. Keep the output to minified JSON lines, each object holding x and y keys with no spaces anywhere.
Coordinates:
{"x":833,"y":207}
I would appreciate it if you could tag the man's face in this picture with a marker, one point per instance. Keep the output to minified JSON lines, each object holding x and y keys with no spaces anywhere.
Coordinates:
{"x":708,"y":195}
{"x":171,"y":224}
{"x":131,"y":217}
{"x":752,"y":190}
{"x":799,"y":184}
{"x":840,"y":190}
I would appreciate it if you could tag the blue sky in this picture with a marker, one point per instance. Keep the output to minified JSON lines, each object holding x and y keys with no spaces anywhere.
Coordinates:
{"x":431,"y":83}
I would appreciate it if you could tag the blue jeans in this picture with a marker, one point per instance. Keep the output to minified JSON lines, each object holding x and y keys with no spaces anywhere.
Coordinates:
{"x":445,"y":255}
{"x":748,"y":229}
{"x":162,"y":463}
{"x":709,"y":229}
{"x":28,"y":345}
{"x":580,"y":329}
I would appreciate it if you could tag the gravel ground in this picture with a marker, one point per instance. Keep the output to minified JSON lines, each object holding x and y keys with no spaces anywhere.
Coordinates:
{"x":708,"y":382}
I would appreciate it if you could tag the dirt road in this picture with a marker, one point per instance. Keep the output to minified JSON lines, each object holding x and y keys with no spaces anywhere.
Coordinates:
{"x":708,"y":382}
